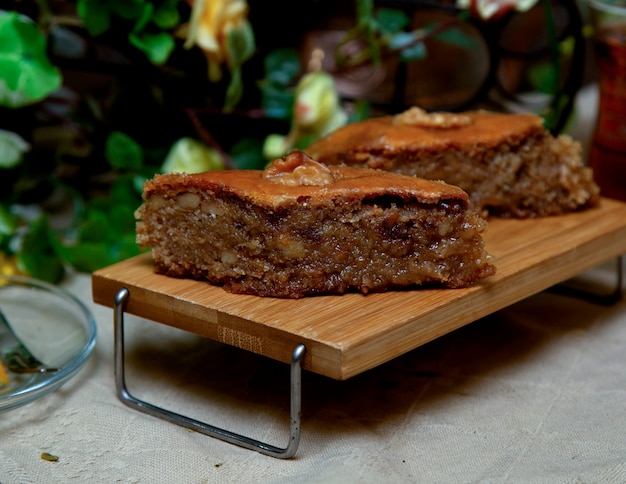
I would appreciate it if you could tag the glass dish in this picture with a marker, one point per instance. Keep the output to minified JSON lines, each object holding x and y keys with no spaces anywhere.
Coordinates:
{"x":54,"y":325}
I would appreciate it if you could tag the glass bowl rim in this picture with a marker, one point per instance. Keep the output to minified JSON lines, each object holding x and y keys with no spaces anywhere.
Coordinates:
{"x":51,"y":381}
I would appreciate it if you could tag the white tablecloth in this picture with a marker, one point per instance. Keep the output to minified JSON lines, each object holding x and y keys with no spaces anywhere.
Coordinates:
{"x":534,"y":393}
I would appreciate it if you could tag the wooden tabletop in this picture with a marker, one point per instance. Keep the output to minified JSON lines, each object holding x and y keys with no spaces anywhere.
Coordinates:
{"x":351,"y":333}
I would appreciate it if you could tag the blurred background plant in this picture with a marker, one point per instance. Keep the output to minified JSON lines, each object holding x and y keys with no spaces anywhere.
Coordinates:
{"x":96,"y":96}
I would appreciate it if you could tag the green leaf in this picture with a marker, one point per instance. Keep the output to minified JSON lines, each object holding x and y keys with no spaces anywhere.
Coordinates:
{"x":123,"y":152}
{"x":391,"y":21}
{"x":106,"y":236}
{"x":360,"y":111}
{"x":38,"y":256}
{"x":364,"y":11}
{"x":459,"y":38}
{"x":12,"y":148}
{"x":8,"y":221}
{"x":26,"y":74}
{"x":247,"y":154}
{"x":95,"y":14}
{"x":91,"y":256}
{"x":144,"y":17}
{"x":303,"y":142}
{"x":241,"y":45}
{"x":411,"y":48}
{"x":124,"y":191}
{"x":367,"y":26}
{"x":282,"y":66}
{"x":88,"y":256}
{"x":543,"y":77}
{"x":166,"y":15}
{"x":234,"y":90}
{"x":107,"y":232}
{"x":157,"y":47}
{"x":277,"y":101}
{"x":416,"y":52}
{"x":128,"y":9}
{"x":99,"y":14}
{"x":94,"y":227}
{"x":138,"y":183}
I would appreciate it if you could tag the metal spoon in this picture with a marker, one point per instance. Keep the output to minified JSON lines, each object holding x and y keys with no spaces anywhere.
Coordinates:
{"x":15,"y":355}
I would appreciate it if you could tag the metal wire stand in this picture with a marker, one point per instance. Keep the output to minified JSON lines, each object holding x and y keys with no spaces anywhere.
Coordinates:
{"x":204,"y":428}
{"x":604,"y":299}
{"x":296,"y":376}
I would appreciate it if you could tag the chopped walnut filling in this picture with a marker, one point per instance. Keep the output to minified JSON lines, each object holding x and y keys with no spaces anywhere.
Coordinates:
{"x":298,"y":169}
{"x":418,"y":117}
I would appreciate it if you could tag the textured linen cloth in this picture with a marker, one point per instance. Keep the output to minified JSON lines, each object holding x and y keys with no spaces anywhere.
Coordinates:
{"x":535,"y":393}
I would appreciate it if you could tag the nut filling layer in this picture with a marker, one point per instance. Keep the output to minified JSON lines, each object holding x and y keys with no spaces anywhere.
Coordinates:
{"x":293,"y":246}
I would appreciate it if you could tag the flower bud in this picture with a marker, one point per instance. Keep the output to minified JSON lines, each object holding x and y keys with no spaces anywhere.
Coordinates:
{"x":191,"y":156}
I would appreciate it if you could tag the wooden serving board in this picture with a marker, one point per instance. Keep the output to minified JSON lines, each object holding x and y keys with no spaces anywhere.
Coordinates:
{"x":347,"y":334}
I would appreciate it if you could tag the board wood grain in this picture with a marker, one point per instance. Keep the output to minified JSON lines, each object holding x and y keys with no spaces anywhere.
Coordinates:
{"x":351,"y":333}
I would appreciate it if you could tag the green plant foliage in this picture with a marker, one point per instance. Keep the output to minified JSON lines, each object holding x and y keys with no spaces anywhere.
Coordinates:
{"x":391,"y":25}
{"x":26,"y":74}
{"x":96,"y":15}
{"x":123,"y":152}
{"x":145,"y":103}
{"x":166,"y":15}
{"x":360,"y":112}
{"x":143,"y":20}
{"x":247,"y":154}
{"x":99,"y":14}
{"x":157,"y":47}
{"x":12,"y":149}
{"x":410,"y":47}
{"x":391,"y":21}
{"x":456,"y":36}
{"x":106,"y":232}
{"x":282,"y":66}
{"x":38,"y":256}
{"x":241,"y":46}
{"x":367,"y":27}
{"x":542,"y":77}
{"x":278,"y":86}
{"x":8,"y":227}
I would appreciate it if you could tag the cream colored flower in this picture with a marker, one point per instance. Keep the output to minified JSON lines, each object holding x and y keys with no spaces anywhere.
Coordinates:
{"x":209,"y":26}
{"x":191,"y":156}
{"x":317,"y":111}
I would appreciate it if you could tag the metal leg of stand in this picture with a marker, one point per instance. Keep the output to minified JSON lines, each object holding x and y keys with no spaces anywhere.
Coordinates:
{"x":216,"y":432}
{"x":607,"y":299}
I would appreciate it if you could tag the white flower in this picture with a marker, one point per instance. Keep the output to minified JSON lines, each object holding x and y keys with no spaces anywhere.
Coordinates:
{"x":494,"y":9}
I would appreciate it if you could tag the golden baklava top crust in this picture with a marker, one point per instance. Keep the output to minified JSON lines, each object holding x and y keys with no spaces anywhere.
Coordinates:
{"x":298,"y":178}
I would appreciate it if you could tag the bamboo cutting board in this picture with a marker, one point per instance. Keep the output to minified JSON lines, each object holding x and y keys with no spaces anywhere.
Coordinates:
{"x":347,"y":334}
